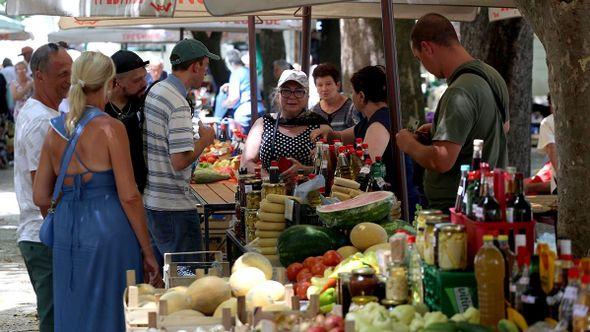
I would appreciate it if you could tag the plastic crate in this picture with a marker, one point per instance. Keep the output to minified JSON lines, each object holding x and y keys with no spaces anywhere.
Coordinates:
{"x":476,"y":230}
{"x":451,"y":292}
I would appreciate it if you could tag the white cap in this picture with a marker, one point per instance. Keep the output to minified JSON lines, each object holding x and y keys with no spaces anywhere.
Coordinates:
{"x":565,"y":247}
{"x":478,"y":142}
{"x":519,"y":240}
{"x":296,"y":76}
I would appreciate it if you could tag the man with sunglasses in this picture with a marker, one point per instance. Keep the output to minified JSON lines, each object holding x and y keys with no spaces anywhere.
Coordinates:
{"x":126,"y":101}
{"x":52,"y":68}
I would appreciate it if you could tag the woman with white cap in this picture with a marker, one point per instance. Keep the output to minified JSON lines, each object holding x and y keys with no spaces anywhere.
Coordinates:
{"x":285,"y":136}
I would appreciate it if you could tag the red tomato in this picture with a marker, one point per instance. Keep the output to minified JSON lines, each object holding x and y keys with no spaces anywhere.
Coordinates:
{"x":304,"y":275}
{"x":293,"y":270}
{"x":318,"y":269}
{"x":309,"y":262}
{"x":319,"y":259}
{"x":332,"y":258}
{"x":301,"y":290}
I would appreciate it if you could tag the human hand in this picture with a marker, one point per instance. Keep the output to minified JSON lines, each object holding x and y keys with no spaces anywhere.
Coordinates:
{"x":206,"y":134}
{"x":425,"y":128}
{"x":404,"y":138}
{"x":290,"y":175}
{"x":224,"y":88}
{"x":151,"y":271}
{"x":322,"y":132}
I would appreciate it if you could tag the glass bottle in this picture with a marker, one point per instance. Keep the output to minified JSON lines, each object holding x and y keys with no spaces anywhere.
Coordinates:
{"x":366,"y":154}
{"x":477,"y":151}
{"x":319,"y":156}
{"x":377,"y":181}
{"x":358,"y":144}
{"x":523,"y":281}
{"x":462,"y":188}
{"x":327,"y":167}
{"x":521,"y":207}
{"x":415,"y":275}
{"x":273,"y":172}
{"x":301,"y":179}
{"x":355,"y":162}
{"x":491,"y":208}
{"x":509,"y":260}
{"x":489,"y":272}
{"x":364,"y":175}
{"x":516,"y":274}
{"x":570,"y":296}
{"x":472,"y":195}
{"x":397,"y":282}
{"x":222,"y":136}
{"x":342,"y":167}
{"x":555,"y":295}
{"x":510,"y":184}
{"x":580,"y":312}
{"x":534,"y":301}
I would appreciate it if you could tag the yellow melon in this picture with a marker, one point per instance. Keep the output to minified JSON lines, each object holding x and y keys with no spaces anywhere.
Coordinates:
{"x":232,"y":304}
{"x":245,"y":279}
{"x":367,"y":234}
{"x":207,"y":293}
{"x":347,"y":251}
{"x":176,"y":301}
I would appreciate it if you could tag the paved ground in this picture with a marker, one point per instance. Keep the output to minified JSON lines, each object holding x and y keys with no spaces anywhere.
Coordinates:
{"x":17,"y":298}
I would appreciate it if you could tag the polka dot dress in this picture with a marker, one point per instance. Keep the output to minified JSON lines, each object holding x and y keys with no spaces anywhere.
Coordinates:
{"x":298,"y":147}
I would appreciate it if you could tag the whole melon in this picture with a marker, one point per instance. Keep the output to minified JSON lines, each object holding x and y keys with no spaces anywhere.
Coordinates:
{"x":253,"y":259}
{"x":232,"y":304}
{"x":379,"y":246}
{"x":271,"y":288}
{"x":275,"y":307}
{"x":176,"y":301}
{"x":207,"y":293}
{"x":347,"y":251}
{"x":245,"y":279}
{"x":367,"y":234}
{"x":298,"y":242}
{"x":147,"y":298}
{"x":258,"y":299}
{"x":146,"y":289}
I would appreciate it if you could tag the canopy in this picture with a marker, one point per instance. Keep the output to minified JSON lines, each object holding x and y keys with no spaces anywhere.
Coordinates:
{"x":233,"y":7}
{"x":179,"y":23}
{"x":8,"y":25}
{"x":20,"y":35}
{"x":136,"y":36}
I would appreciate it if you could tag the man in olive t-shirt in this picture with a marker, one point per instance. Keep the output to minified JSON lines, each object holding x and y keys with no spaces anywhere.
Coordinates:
{"x":467,"y":110}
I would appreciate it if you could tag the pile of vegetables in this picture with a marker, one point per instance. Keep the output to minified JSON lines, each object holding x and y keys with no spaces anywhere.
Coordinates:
{"x":219,"y":169}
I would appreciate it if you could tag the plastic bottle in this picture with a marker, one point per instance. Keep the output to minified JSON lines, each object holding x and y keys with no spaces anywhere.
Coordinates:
{"x":342,"y":167}
{"x":489,"y":272}
{"x":414,"y":272}
{"x":356,"y":162}
{"x":570,"y":296}
{"x":364,"y":174}
{"x":581,"y":312}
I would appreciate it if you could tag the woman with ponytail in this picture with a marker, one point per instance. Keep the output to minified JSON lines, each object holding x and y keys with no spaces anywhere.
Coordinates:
{"x":99,"y":224}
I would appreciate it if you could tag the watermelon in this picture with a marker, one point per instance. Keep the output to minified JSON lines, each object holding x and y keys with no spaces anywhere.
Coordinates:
{"x":366,"y":207}
{"x":339,"y":239}
{"x":298,"y":242}
{"x":392,"y":227}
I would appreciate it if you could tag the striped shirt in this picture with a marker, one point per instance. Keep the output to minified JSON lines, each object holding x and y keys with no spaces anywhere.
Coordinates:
{"x":168,"y":129}
{"x":344,"y":117}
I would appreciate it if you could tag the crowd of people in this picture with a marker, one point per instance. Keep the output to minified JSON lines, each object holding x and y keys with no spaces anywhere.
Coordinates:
{"x":125,"y":149}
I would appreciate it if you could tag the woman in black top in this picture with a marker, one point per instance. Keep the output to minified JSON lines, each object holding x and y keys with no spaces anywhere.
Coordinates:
{"x":370,"y":99}
{"x":285,"y":136}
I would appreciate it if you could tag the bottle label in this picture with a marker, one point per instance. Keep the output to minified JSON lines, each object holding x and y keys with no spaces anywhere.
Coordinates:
{"x":365,"y":170}
{"x":510,"y":214}
{"x":580,"y":310}
{"x":289,"y":204}
{"x":571,"y":293}
{"x":478,"y":212}
{"x":247,"y":188}
{"x":324,"y":164}
{"x":528,"y":299}
{"x":460,"y":191}
{"x":523,"y":281}
{"x":512,"y":287}
{"x":555,"y":299}
{"x":381,"y":183}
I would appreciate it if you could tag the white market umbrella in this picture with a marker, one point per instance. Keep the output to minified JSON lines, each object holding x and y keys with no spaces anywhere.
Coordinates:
{"x":20,"y":35}
{"x":9,"y":25}
{"x":132,"y":36}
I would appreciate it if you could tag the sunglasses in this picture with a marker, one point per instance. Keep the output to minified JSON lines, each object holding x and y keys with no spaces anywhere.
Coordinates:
{"x":286,"y":93}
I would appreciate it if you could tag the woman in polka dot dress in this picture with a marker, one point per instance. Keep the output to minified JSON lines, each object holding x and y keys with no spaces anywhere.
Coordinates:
{"x":285,"y":137}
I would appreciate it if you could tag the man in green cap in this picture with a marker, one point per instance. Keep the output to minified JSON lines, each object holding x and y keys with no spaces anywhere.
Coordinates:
{"x":172,"y":147}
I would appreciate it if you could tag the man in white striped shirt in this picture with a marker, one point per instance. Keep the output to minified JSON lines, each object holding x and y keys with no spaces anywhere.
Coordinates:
{"x":172,"y":147}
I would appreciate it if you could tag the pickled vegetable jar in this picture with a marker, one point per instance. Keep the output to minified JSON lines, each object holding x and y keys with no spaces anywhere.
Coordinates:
{"x":253,"y":199}
{"x":420,"y":219}
{"x":451,"y":246}
{"x":251,"y":218}
{"x":273,"y":188}
{"x":429,"y":239}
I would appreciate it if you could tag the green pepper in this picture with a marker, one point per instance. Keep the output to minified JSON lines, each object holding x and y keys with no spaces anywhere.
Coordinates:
{"x":327,"y":308}
{"x":328,"y":297}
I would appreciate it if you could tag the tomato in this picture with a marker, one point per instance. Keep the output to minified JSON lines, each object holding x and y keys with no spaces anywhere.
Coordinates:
{"x":304,"y":275}
{"x":318,"y":269}
{"x":301,"y":289}
{"x":309,"y":262}
{"x":320,"y":259}
{"x":293,"y":270}
{"x":332,"y":258}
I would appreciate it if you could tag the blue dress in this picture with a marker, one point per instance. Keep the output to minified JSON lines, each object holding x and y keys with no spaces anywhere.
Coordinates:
{"x":94,"y":246}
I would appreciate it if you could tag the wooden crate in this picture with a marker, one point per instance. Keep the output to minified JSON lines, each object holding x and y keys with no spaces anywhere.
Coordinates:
{"x":136,"y":317}
{"x":211,"y":263}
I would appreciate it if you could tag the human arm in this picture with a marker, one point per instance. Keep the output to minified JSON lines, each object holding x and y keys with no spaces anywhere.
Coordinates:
{"x":43,"y":179}
{"x":251,"y":152}
{"x":439,"y":157}
{"x":233,"y":92}
{"x":129,"y":196}
{"x":345,"y":136}
{"x":547,"y":140}
{"x":377,"y":137}
{"x":182,"y":160}
{"x":551,"y":151}
{"x":183,"y":148}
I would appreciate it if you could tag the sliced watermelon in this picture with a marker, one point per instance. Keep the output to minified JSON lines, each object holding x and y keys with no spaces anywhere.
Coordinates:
{"x":367,"y":207}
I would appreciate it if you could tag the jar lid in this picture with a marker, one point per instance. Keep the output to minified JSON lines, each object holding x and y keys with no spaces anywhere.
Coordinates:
{"x":392,"y":303}
{"x":446,"y":227}
{"x":254,"y":192}
{"x":362,"y":300}
{"x":363,"y":271}
{"x":429,"y":212}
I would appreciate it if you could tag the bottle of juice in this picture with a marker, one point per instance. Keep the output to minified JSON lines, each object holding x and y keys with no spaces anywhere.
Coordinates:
{"x":580,"y":312}
{"x":489,"y":272}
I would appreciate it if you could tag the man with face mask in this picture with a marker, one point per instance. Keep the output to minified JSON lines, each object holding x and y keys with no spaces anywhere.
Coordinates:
{"x":126,"y":101}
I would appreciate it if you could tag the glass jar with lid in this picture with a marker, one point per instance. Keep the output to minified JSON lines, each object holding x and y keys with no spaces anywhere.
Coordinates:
{"x":420,"y":219}
{"x":451,"y":246}
{"x":397,"y":282}
{"x":428,"y":244}
{"x":363,"y":282}
{"x":359,"y":302}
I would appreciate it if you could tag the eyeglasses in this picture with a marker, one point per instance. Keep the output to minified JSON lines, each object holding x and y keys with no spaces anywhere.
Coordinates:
{"x":286,"y":93}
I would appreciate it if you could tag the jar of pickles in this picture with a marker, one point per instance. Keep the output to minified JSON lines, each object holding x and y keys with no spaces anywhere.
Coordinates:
{"x":253,"y":199}
{"x":420,"y":219}
{"x":429,"y":239}
{"x":420,"y":242}
{"x":251,"y":218}
{"x":397,"y":282}
{"x":451,"y":246}
{"x":273,"y":188}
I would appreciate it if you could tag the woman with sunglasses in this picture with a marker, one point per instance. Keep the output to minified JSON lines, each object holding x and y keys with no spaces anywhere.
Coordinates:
{"x":285,"y":136}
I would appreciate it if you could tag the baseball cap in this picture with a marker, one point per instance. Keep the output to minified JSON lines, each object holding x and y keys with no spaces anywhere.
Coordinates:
{"x":127,"y":61}
{"x":296,"y":76}
{"x":190,"y":49}
{"x":26,"y":49}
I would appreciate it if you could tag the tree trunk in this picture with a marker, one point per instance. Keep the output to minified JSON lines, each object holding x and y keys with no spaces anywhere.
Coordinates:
{"x":564,"y":29}
{"x":330,"y":42}
{"x":412,"y":98}
{"x":272,"y":47}
{"x":507,"y":46}
{"x":212,"y":40}
{"x":362,"y":45}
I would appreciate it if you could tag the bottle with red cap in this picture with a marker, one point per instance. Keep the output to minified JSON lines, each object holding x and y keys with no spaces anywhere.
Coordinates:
{"x":358,"y":144}
{"x":355,"y":162}
{"x":581,"y":310}
{"x":414,"y":264}
{"x":366,"y":154}
{"x":342,"y":166}
{"x":570,"y":297}
{"x":273,"y":172}
{"x":377,"y":179}
{"x":364,"y":174}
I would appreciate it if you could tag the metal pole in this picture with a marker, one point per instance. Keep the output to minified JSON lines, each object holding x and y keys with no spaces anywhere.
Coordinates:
{"x":306,"y":39}
{"x":181,"y":34}
{"x":252,"y":65}
{"x":393,"y":100}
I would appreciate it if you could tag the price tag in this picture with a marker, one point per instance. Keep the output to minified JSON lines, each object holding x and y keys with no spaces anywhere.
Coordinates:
{"x":460,"y":191}
{"x":289,"y":203}
{"x":571,"y":293}
{"x":528,"y":299}
{"x":523,"y":281}
{"x":580,"y":310}
{"x":248,"y":188}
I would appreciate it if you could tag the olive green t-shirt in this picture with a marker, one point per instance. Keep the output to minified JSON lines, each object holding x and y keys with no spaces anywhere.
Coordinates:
{"x":467,"y":111}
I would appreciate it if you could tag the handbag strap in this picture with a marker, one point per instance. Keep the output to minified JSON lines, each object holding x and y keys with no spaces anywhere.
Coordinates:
{"x":70,"y":148}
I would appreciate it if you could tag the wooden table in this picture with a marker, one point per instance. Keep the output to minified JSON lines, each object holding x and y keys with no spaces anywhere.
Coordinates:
{"x":215,"y":198}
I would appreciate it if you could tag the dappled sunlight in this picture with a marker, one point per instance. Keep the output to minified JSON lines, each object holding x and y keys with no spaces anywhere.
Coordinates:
{"x":8,"y":203}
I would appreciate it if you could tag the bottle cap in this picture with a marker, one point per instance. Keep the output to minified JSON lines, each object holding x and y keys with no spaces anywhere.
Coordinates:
{"x":311,"y":176}
{"x":519,"y":176}
{"x":473,"y":175}
{"x":337,"y":140}
{"x":324,"y":141}
{"x":351,"y":149}
{"x":478,"y":142}
{"x":488,"y":238}
{"x":519,"y":240}
{"x":359,"y":140}
{"x":465,"y":168}
{"x":378,"y":158}
{"x":586,"y":279}
{"x":573,"y":273}
{"x":342,"y":149}
{"x":368,"y":161}
{"x":365,"y":146}
{"x":503,"y":237}
{"x":411,"y":239}
{"x":274,"y":163}
{"x":359,"y":153}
